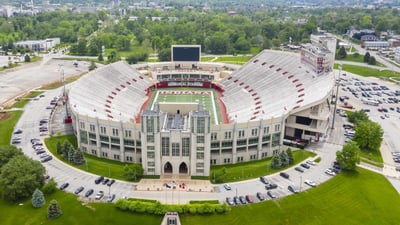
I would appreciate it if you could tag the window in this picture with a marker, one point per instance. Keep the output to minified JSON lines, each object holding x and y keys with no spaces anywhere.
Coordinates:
{"x":254,"y":132}
{"x":213,"y":136}
{"x":165,"y":146}
{"x":94,"y":152}
{"x":200,"y":139}
{"x":149,"y":124}
{"x":115,"y":140}
{"x":266,"y":130}
{"x":241,"y":142}
{"x":200,"y":149}
{"x":227,"y":160}
{"x":199,"y":170}
{"x":252,"y":157}
{"x":104,"y":138}
{"x":240,"y":159}
{"x":92,"y":135}
{"x":128,"y":133}
{"x":115,"y":132}
{"x":277,"y":127}
{"x":150,"y":170}
{"x":175,"y":149}
{"x":185,"y":146}
{"x":151,"y":164}
{"x":253,"y":140}
{"x":82,"y":125}
{"x":200,"y":165}
{"x":228,"y":135}
{"x":201,"y":122}
{"x":129,"y":158}
{"x":241,"y":134}
{"x":214,"y":144}
{"x":200,"y":155}
{"x":227,"y":144}
{"x":213,"y":161}
{"x":264,"y":155}
{"x":116,"y":157}
{"x":103,"y":130}
{"x":84,"y":137}
{"x":104,"y":154}
{"x":129,"y":142}
{"x":150,"y":155}
{"x":150,"y":138}
{"x":150,"y":148}
{"x":92,"y":128}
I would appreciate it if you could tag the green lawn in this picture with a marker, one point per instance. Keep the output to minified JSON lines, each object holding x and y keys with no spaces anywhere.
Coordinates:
{"x":359,"y":198}
{"x":7,"y":125}
{"x":358,"y":58}
{"x":24,"y":100}
{"x":95,"y":165}
{"x":254,"y":169}
{"x":368,"y":72}
{"x":74,"y":213}
{"x":372,"y":156}
{"x":234,"y":59}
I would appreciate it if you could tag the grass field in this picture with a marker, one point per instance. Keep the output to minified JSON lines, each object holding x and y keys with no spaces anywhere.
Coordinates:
{"x":254,"y":169}
{"x":208,"y":97}
{"x":368,"y":72}
{"x":358,"y":198}
{"x":7,"y":123}
{"x":234,"y":59}
{"x":24,"y":100}
{"x":358,"y":58}
{"x":95,"y":165}
{"x":74,"y":213}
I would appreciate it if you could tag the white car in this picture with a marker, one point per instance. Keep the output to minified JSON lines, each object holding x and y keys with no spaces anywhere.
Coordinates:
{"x":311,"y":162}
{"x":310,"y":183}
{"x":330,"y":172}
{"x":227,"y":187}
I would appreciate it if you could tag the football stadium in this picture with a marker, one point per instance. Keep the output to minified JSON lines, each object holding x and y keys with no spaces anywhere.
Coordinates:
{"x":180,"y":117}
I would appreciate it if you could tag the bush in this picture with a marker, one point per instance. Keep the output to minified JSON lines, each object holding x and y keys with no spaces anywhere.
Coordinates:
{"x":38,"y":199}
{"x":54,"y":210}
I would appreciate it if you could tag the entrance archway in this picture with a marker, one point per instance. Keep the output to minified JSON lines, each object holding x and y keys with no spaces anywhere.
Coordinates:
{"x":183,"y":168}
{"x":168,"y":167}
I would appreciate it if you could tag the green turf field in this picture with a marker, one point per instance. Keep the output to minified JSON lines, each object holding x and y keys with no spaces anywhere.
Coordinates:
{"x":207,"y":97}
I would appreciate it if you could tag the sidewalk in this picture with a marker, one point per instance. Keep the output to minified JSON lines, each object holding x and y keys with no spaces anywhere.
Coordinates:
{"x":178,"y":184}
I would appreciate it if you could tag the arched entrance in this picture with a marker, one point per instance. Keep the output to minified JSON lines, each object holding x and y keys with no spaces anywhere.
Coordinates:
{"x":183,"y":168}
{"x":168,"y":167}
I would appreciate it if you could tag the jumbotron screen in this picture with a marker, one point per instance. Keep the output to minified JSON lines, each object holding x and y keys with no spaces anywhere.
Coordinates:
{"x":185,"y":53}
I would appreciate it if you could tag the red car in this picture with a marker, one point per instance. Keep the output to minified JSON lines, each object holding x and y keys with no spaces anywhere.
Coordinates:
{"x":249,"y":199}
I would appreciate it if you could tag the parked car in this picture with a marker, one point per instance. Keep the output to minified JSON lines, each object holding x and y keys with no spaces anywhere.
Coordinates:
{"x":18,"y":131}
{"x":264,"y":180}
{"x":310,"y":183}
{"x":46,"y":159}
{"x":249,"y":199}
{"x":79,"y":190}
{"x":111,"y":198}
{"x":236,"y":200}
{"x":105,"y":181}
{"x":284,"y":175}
{"x":110,"y":182}
{"x":305,"y":165}
{"x":227,"y":187}
{"x":89,"y":192}
{"x":99,"y":195}
{"x":64,"y":185}
{"x":242,"y":200}
{"x":99,"y":180}
{"x":299,"y":169}
{"x":260,"y":196}
{"x":293,"y":189}
{"x":271,"y":194}
{"x":271,"y":186}
{"x":330,"y":172}
{"x":310,"y":162}
{"x":229,"y":200}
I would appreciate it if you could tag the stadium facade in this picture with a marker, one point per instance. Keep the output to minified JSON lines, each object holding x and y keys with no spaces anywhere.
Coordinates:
{"x":276,"y":98}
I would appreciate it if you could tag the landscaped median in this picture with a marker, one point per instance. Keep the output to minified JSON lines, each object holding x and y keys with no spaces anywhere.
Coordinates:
{"x":156,"y":208}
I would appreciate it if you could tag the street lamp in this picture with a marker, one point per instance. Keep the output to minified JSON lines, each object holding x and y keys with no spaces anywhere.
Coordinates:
{"x":336,"y":97}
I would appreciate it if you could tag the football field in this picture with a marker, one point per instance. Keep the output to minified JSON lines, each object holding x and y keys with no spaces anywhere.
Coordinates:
{"x":207,"y":97}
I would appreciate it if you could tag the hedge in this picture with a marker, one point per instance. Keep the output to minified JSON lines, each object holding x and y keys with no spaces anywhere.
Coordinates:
{"x":139,"y":206}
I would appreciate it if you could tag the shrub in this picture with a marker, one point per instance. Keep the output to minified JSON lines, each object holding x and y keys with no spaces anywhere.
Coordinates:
{"x":38,"y":199}
{"x":54,"y":211}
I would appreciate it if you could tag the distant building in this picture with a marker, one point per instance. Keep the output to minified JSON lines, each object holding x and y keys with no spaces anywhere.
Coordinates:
{"x":39,"y":45}
{"x":375,"y":45}
{"x":397,"y":54}
{"x":369,"y":37}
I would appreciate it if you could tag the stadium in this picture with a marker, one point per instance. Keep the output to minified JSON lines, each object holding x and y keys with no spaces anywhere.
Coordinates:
{"x":178,"y":118}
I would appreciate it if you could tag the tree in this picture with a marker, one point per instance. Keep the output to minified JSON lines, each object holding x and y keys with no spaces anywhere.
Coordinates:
{"x":53,"y":211}
{"x":164,"y":55}
{"x":38,"y":199}
{"x":276,"y":161}
{"x":100,"y":57}
{"x":372,"y":60}
{"x":113,"y":57}
{"x":92,"y":66}
{"x":66,"y":149}
{"x":59,"y":148}
{"x":349,"y":157}
{"x":78,"y":157}
{"x":7,"y":152}
{"x":342,"y":53}
{"x":290,"y":155}
{"x":284,"y":158}
{"x":219,"y":176}
{"x":133,"y":171}
{"x":132,"y":59}
{"x":358,"y":116}
{"x":50,"y":187}
{"x":20,"y":177}
{"x":369,"y":136}
{"x":366,"y":57}
{"x":27,"y":58}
